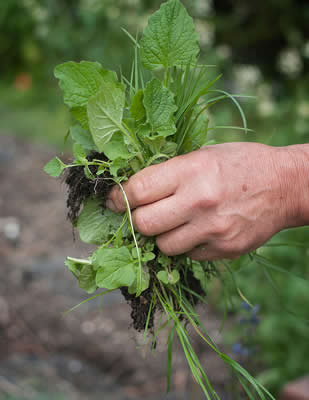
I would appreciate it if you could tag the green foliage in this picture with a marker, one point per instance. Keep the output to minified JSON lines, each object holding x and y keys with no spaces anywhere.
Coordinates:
{"x":54,"y":167}
{"x":95,"y":227}
{"x":170,"y":38}
{"x":138,"y":122}
{"x":105,"y":112}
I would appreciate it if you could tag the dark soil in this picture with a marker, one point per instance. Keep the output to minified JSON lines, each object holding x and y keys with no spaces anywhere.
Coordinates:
{"x":140,"y":308}
{"x":80,"y":187}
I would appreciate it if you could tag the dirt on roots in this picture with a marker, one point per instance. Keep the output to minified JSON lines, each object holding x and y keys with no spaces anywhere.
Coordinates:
{"x":80,"y":188}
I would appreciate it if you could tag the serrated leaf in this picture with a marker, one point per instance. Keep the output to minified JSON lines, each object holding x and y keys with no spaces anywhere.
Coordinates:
{"x":54,"y":167}
{"x":86,"y":279}
{"x":196,"y":137}
{"x":80,"y":81}
{"x":115,"y":267}
{"x":170,"y":38}
{"x":82,"y":137}
{"x":160,"y":107}
{"x":95,"y":227}
{"x":137,"y":109}
{"x":168,"y":277}
{"x":117,"y":148}
{"x":105,"y":112}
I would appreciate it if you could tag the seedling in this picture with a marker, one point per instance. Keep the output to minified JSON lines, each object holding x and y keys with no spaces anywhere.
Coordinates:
{"x":124,"y":125}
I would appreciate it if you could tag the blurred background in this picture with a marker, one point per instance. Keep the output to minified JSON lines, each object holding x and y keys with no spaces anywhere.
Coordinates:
{"x":262,"y":50}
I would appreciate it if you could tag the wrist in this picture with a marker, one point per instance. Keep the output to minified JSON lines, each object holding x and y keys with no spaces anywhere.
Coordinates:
{"x":292,"y":167}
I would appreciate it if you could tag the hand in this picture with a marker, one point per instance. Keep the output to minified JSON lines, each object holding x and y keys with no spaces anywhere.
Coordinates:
{"x":218,"y":202}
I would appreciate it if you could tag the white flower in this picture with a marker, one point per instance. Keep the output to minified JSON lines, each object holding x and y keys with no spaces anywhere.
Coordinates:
{"x":290,"y":62}
{"x":203,"y":7}
{"x":246,"y":77}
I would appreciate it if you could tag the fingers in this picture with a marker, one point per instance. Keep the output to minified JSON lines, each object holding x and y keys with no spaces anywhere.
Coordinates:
{"x":161,"y":216}
{"x":180,"y":240}
{"x":146,"y":186}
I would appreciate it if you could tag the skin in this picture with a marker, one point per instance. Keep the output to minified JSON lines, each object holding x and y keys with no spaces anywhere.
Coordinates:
{"x":220,"y":201}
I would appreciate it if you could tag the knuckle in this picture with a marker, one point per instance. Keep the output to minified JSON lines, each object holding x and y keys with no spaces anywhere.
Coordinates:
{"x":208,"y":197}
{"x":139,"y":188}
{"x":221,"y":227}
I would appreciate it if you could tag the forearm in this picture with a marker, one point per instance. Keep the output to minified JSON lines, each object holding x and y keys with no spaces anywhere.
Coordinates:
{"x":293,"y":171}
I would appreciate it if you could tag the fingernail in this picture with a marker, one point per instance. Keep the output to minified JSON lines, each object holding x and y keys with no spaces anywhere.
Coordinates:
{"x":110,"y":204}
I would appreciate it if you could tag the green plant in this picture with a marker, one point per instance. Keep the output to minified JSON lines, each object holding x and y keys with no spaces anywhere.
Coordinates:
{"x":122,"y":126}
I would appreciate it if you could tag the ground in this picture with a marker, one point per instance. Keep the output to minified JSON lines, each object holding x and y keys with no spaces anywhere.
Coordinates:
{"x":89,"y":351}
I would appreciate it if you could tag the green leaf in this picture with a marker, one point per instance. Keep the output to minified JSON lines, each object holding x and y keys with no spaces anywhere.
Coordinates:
{"x":148,"y":257}
{"x":88,"y":173}
{"x":86,"y":279}
{"x":137,"y":109}
{"x":80,"y":114}
{"x":164,"y":260}
{"x":105,"y":112}
{"x":160,"y":107}
{"x":82,"y":137}
{"x":200,"y":274}
{"x":168,"y":277}
{"x":95,"y":227}
{"x":196,"y":137}
{"x":116,"y":165}
{"x":54,"y":167}
{"x":74,"y":267}
{"x":79,"y":153}
{"x":115,"y":267}
{"x":170,"y":38}
{"x":144,"y":282}
{"x":117,"y":148}
{"x":80,"y":81}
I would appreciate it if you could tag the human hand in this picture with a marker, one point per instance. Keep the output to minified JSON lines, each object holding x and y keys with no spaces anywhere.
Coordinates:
{"x":218,"y":202}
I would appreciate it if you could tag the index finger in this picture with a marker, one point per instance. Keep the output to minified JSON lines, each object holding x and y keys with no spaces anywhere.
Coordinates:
{"x":146,"y":186}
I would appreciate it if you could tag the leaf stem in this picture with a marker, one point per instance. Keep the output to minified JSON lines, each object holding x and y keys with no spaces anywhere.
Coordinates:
{"x":139,"y":275}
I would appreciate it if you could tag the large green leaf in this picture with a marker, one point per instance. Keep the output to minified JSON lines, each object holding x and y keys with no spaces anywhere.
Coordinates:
{"x":80,"y":114}
{"x":105,"y":112}
{"x":95,"y":227}
{"x":115,"y":267}
{"x":160,"y":107}
{"x":170,"y":38}
{"x":80,"y":81}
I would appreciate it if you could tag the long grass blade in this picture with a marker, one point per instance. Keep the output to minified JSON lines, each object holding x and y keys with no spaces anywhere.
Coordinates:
{"x":233,"y":98}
